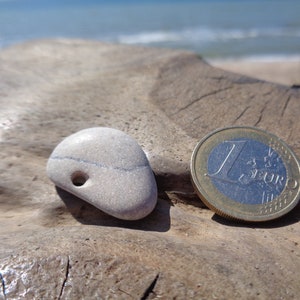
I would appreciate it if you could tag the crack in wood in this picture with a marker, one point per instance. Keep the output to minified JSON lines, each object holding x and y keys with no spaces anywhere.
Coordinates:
{"x":125,"y":292}
{"x":202,"y":97}
{"x":150,"y":288}
{"x":287,"y":101}
{"x":3,"y":286}
{"x":267,"y":93}
{"x":65,"y":279}
{"x":261,"y":113}
{"x":241,"y":114}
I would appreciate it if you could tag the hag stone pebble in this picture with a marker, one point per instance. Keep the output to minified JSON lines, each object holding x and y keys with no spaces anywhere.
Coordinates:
{"x":106,"y":168}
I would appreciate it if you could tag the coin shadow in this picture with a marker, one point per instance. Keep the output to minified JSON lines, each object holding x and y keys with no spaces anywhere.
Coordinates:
{"x":290,"y":218}
{"x":87,"y":214}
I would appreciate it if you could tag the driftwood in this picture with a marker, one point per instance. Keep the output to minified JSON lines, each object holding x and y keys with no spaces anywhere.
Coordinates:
{"x":55,"y":246}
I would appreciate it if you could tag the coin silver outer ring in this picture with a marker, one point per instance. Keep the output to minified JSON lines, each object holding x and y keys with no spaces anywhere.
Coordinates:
{"x":226,"y":207}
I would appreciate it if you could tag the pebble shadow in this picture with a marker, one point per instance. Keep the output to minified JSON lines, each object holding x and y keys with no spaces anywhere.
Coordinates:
{"x":85,"y":213}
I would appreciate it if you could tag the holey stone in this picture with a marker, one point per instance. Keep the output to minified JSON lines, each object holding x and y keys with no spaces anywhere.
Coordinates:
{"x":106,"y":168}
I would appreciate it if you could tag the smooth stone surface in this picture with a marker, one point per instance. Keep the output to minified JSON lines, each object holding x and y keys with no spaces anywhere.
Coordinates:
{"x":167,"y":100}
{"x":106,"y":168}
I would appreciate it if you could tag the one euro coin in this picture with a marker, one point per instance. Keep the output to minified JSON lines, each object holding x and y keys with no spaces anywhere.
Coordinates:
{"x":246,"y":173}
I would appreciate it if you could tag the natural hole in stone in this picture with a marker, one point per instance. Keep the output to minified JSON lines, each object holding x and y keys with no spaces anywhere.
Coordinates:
{"x":79,"y":178}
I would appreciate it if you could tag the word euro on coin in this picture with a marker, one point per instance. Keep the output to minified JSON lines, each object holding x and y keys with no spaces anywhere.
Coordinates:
{"x":106,"y":168}
{"x":246,"y":173}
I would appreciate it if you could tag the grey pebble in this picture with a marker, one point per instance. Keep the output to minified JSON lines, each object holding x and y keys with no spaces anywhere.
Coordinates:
{"x":106,"y":168}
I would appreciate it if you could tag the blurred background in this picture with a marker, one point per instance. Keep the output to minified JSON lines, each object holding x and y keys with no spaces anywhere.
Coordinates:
{"x":216,"y":29}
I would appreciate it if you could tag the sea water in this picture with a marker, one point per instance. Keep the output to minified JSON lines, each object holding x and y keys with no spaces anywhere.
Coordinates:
{"x":216,"y":29}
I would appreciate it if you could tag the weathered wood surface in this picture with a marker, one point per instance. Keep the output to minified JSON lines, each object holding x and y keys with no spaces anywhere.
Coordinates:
{"x":55,"y":246}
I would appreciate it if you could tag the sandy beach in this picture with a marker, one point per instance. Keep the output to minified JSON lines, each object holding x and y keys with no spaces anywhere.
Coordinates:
{"x":286,"y":72}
